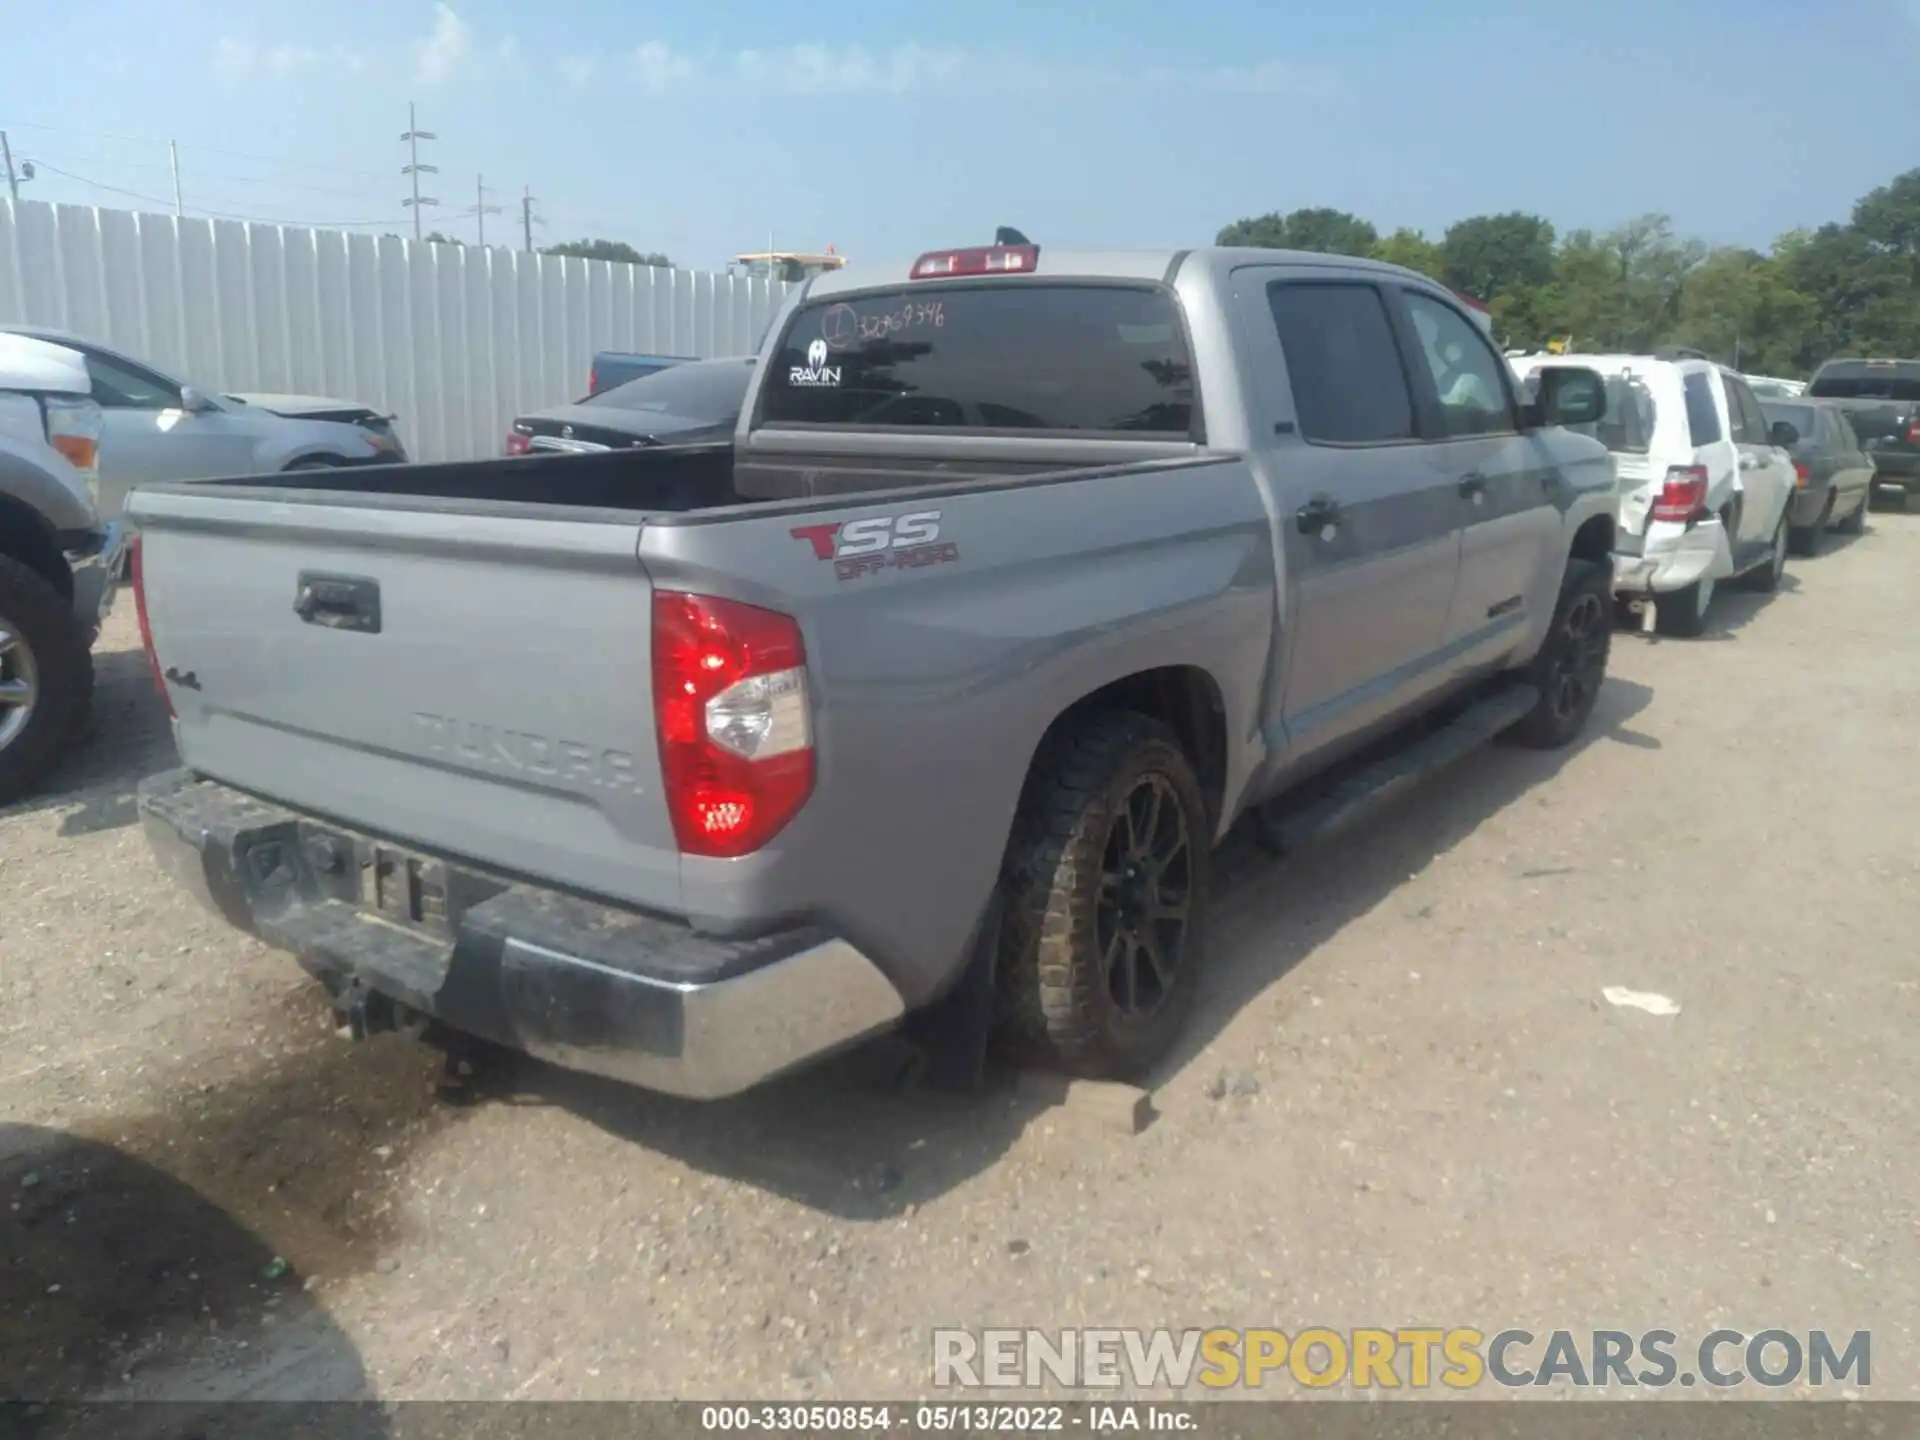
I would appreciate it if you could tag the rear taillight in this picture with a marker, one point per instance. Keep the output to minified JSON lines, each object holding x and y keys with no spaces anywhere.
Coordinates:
{"x":1684,"y":495}
{"x":736,"y":734}
{"x":1801,"y":475}
{"x":979,"y":260}
{"x":136,"y":567}
{"x":519,"y":441}
{"x":593,"y":380}
{"x":1913,"y":433}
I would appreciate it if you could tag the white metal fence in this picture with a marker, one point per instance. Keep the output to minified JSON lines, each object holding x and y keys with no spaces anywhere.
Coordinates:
{"x":454,"y":339}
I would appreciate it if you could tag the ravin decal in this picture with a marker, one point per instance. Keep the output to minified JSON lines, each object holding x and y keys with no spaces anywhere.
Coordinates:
{"x":879,"y":542}
{"x":816,"y":371}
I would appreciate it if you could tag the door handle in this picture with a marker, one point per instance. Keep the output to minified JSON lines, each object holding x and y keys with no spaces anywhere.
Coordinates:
{"x":339,"y":602}
{"x":1318,"y":515}
{"x":1473,"y":487}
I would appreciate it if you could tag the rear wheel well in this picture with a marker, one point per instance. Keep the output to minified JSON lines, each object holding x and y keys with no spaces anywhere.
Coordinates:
{"x":27,"y":537}
{"x":1182,"y":697}
{"x":1594,"y":539}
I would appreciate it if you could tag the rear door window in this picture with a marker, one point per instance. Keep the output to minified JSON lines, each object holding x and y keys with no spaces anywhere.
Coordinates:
{"x":1750,"y":423}
{"x":1703,"y":417}
{"x":1349,"y":381}
{"x":1021,"y":356}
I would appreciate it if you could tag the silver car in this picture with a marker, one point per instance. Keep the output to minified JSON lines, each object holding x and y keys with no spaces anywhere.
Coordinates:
{"x":159,"y":428}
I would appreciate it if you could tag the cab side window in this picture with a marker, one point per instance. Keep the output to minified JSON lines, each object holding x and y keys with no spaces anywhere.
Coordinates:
{"x":1349,"y":382}
{"x":119,"y":386}
{"x":1469,"y":378}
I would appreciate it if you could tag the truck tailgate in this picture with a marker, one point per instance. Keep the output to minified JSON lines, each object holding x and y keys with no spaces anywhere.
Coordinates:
{"x":473,"y":684}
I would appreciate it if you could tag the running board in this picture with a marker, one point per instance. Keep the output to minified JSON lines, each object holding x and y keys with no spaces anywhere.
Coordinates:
{"x":1379,"y":783}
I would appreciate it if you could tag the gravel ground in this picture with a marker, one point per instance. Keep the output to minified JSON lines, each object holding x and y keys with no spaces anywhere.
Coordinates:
{"x":1405,"y":1100}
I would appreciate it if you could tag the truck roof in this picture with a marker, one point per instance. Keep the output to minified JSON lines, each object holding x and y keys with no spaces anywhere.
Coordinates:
{"x":1063,"y":262}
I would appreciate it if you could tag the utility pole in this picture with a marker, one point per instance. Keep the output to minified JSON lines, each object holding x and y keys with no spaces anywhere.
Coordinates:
{"x":413,"y":137}
{"x":13,"y":181}
{"x":481,"y":209}
{"x":527,"y":218}
{"x":173,"y":162}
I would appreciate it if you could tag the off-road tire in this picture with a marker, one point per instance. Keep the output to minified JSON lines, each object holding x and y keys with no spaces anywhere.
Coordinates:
{"x":1856,"y":523}
{"x":63,"y":662}
{"x":1055,"y":998}
{"x":316,"y":462}
{"x":1805,"y":540}
{"x":1764,"y":578}
{"x":1571,"y":665}
{"x":1680,"y":614}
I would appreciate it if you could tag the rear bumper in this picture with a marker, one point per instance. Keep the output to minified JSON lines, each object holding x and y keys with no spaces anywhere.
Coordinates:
{"x":1670,"y":557}
{"x":1896,"y":472}
{"x":1807,"y":507}
{"x":591,"y":987}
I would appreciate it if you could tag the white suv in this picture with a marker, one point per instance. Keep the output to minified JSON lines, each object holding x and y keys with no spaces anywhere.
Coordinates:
{"x":1703,"y":489}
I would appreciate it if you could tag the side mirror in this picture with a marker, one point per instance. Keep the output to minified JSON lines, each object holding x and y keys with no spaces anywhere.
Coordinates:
{"x":193,"y":402}
{"x":1568,"y":395}
{"x":1784,"y":435}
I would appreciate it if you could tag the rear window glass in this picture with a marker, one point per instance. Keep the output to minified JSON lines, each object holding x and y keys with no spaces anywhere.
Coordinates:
{"x":699,"y":391}
{"x":1803,"y":418}
{"x":1627,"y":427}
{"x":1703,"y":420}
{"x":1019,"y":356}
{"x":1867,"y":382}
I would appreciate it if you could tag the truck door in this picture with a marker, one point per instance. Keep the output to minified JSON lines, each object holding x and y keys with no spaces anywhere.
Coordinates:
{"x":1370,"y":538}
{"x":1766,"y":471}
{"x":1500,"y":478}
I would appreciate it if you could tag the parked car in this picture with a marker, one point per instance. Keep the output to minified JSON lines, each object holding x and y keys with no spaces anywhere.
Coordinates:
{"x":1882,"y":400}
{"x":160,"y":428}
{"x":1706,"y":500}
{"x":688,"y":404}
{"x":59,"y":562}
{"x":1833,"y":474}
{"x":908,"y":717}
{"x":616,"y":367}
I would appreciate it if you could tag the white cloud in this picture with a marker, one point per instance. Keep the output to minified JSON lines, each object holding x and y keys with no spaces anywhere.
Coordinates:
{"x":660,"y":69}
{"x":445,"y":48}
{"x":243,"y":60}
{"x":915,"y":69}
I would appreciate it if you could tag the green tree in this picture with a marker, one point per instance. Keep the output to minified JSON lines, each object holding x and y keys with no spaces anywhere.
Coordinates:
{"x":1889,"y":217}
{"x":1862,"y":294}
{"x":617,"y":250}
{"x":1411,"y":249}
{"x":1741,"y":306}
{"x":1488,"y":256}
{"x":434,"y":237}
{"x":1329,"y":232}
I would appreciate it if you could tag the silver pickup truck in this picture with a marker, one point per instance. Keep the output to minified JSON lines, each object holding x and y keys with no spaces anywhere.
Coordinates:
{"x":920,"y":705}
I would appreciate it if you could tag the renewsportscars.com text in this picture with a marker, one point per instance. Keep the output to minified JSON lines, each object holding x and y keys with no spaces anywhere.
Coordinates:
{"x":1415,"y":1358}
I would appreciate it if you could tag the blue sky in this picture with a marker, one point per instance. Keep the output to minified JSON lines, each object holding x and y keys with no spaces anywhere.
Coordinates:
{"x":888,"y":129}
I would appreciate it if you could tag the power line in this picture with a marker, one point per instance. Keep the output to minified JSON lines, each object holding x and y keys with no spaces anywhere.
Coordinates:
{"x":222,"y":175}
{"x":213,"y":214}
{"x":527,"y":218}
{"x":209,"y":149}
{"x":412,"y":140}
{"x":480,"y":209}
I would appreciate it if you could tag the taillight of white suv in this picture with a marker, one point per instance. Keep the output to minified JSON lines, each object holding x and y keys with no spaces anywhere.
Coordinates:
{"x":1684,"y":495}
